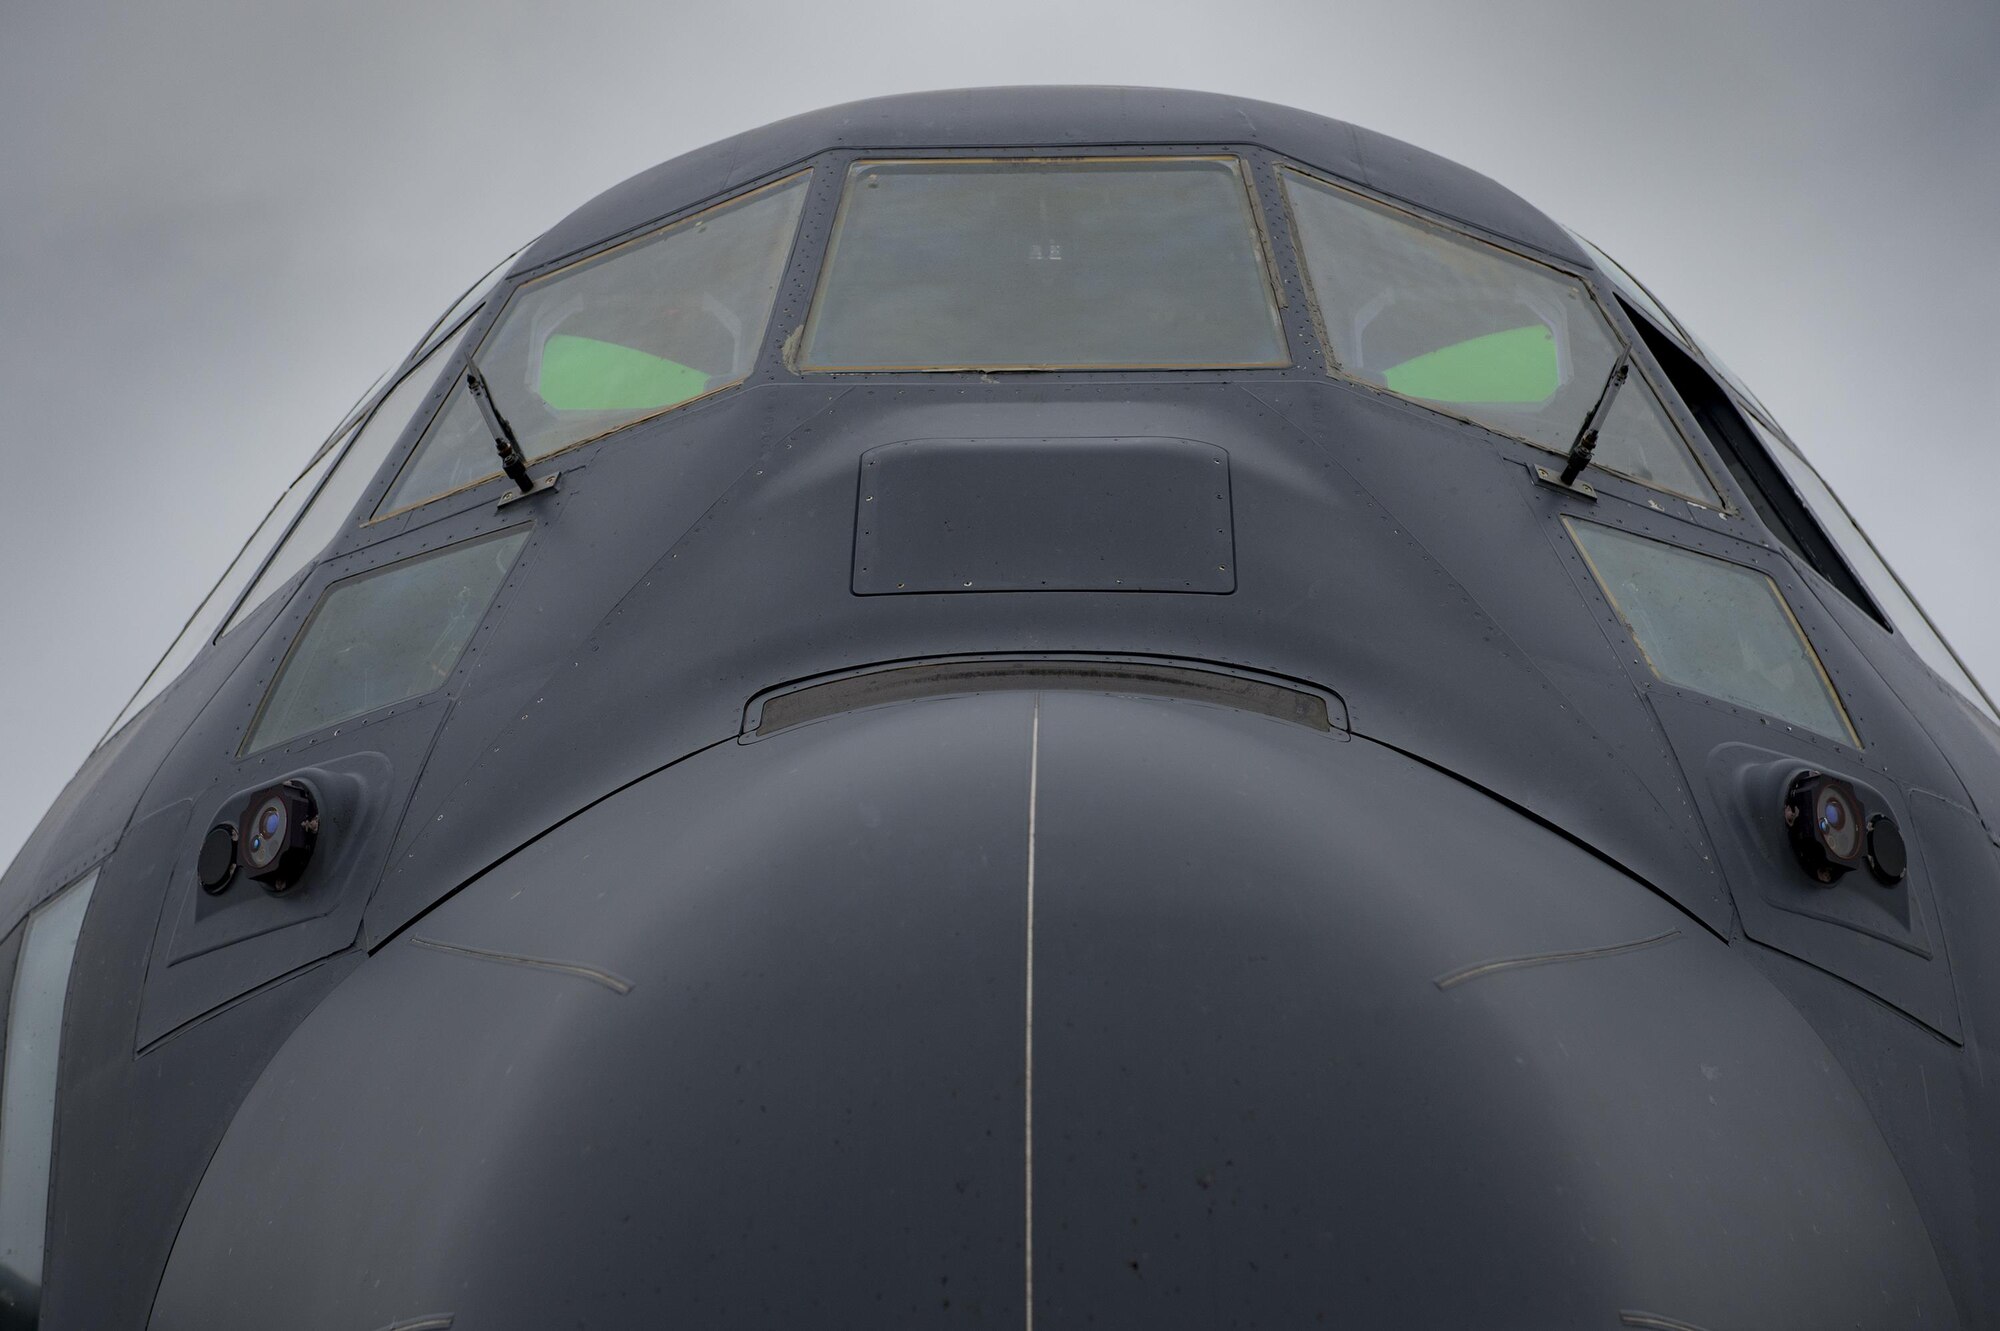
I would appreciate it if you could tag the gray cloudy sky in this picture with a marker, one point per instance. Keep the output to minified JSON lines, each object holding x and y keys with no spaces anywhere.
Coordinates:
{"x":220,"y":219}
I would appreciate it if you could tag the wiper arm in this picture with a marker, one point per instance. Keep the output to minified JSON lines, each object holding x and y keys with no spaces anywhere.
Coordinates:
{"x":512,"y":460}
{"x":1585,"y":446}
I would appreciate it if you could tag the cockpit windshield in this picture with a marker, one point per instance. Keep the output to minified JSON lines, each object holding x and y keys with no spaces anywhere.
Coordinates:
{"x":1478,"y":331}
{"x":643,"y":327}
{"x":1078,"y":263}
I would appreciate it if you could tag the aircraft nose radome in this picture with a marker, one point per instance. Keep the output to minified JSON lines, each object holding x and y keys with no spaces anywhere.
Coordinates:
{"x":1174,"y":1014}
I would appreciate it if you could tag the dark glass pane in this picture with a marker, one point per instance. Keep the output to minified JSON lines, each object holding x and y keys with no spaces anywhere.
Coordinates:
{"x":1044,"y":264}
{"x":384,"y":636}
{"x":1636,"y":292}
{"x":1905,"y":615}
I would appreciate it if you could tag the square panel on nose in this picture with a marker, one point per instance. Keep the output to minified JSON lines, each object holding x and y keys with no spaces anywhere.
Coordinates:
{"x":1022,"y":515}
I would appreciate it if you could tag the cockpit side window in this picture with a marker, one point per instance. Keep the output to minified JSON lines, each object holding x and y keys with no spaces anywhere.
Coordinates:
{"x":1045,"y":264}
{"x":1630,"y":289}
{"x":1715,"y":627}
{"x":475,"y":296}
{"x":353,"y":467}
{"x":306,"y":515}
{"x":615,"y":338}
{"x":1903,"y":614}
{"x":1477,"y":331}
{"x":1633,"y":292}
{"x":202,"y":626}
{"x":1795,"y":504}
{"x":1756,"y":472}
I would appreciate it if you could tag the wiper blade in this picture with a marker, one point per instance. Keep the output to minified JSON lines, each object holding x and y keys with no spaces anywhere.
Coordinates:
{"x":1585,"y":446}
{"x":512,"y":460}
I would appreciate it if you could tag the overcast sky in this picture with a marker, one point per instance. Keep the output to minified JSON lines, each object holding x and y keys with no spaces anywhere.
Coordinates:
{"x":219,"y":221}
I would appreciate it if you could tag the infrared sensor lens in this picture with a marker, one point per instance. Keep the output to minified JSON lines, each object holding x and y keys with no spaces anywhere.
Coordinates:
{"x":266,"y":841}
{"x":1840,"y":825}
{"x":1826,"y":825}
{"x":280,"y":826}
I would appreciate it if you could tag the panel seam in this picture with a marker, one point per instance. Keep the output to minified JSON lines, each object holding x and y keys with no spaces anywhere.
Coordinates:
{"x":1028,"y":1039}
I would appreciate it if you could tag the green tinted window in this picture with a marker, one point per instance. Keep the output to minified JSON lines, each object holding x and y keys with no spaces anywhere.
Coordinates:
{"x":1023,"y":265}
{"x":1714,"y":627}
{"x":1516,"y":365}
{"x":620,"y":336}
{"x":1486,"y":334}
{"x":591,"y":374}
{"x":384,"y":636}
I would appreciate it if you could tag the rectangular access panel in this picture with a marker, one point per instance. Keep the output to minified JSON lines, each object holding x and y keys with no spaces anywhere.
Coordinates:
{"x":1044,"y":515}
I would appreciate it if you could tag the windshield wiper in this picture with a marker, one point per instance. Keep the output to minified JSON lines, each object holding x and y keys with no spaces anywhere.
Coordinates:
{"x":512,"y":460}
{"x":1585,"y":446}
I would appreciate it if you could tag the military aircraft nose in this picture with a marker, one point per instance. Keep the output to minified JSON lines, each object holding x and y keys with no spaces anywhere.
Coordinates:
{"x":1055,"y":1008}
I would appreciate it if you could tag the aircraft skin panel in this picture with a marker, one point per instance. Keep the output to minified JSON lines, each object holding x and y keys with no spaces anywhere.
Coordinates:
{"x":1246,"y":1077}
{"x":818,"y":996}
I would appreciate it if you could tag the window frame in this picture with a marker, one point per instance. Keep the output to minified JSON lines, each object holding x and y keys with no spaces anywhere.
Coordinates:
{"x":1640,"y":357}
{"x":1244,"y":163}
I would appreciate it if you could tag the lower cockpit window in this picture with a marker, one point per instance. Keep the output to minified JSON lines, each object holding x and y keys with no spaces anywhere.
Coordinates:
{"x":384,"y":636}
{"x":641,"y":328}
{"x":1077,"y":263}
{"x":1480,"y":332}
{"x":1714,"y":627}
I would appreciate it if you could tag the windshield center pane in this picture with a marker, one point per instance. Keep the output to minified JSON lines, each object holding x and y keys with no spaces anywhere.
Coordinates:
{"x":1077,"y":264}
